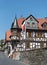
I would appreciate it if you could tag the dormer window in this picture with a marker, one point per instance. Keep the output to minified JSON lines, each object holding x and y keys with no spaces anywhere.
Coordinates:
{"x":44,"y":25}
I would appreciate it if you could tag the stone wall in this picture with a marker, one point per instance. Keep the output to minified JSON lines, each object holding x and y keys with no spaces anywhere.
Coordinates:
{"x":34,"y":57}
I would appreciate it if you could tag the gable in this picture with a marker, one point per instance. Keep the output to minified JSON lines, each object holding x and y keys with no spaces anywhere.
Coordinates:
{"x":31,"y":22}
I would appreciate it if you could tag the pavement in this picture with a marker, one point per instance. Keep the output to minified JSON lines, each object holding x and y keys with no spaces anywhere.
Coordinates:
{"x":4,"y":60}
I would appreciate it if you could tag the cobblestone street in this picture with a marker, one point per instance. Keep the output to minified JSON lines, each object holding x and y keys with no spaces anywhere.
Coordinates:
{"x":6,"y":61}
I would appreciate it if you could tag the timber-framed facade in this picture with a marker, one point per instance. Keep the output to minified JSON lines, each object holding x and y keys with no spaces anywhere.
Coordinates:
{"x":34,"y":36}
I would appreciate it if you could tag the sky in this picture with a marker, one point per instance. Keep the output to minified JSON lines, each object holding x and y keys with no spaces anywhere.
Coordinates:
{"x":19,"y":8}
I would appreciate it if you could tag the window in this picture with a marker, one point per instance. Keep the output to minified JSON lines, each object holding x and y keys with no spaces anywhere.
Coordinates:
{"x":13,"y":37}
{"x":32,"y":45}
{"x":28,"y":34}
{"x":44,"y":25}
{"x":27,"y":45}
{"x":28,"y":24}
{"x":14,"y":32}
{"x":44,"y":44}
{"x":33,"y":24}
{"x":39,"y":34}
{"x":37,"y":45}
{"x":31,"y":18}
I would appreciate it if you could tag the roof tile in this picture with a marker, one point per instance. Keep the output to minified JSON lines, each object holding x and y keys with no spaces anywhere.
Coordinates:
{"x":8,"y":33}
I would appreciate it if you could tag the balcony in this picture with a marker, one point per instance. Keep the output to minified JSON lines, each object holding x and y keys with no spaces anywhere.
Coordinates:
{"x":34,"y":39}
{"x":14,"y":38}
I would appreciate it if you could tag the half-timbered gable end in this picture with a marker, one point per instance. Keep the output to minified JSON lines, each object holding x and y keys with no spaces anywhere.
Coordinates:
{"x":31,"y":22}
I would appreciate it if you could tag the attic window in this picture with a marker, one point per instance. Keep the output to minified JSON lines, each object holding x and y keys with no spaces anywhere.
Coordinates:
{"x":28,"y":24}
{"x":31,"y":18}
{"x":44,"y":25}
{"x":33,"y":24}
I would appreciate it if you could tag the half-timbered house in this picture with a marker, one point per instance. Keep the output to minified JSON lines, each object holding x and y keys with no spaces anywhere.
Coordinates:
{"x":28,"y":33}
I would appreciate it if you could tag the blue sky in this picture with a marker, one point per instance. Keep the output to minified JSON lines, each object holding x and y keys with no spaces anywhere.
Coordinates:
{"x":11,"y":8}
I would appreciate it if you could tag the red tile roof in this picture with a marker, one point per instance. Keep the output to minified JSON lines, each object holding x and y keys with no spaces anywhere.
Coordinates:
{"x":8,"y":33}
{"x":20,"y":20}
{"x":41,"y":21}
